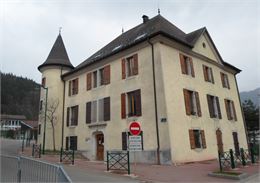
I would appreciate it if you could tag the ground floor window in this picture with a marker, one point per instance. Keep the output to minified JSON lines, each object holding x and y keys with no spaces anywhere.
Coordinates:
{"x":71,"y":143}
{"x":197,"y":138}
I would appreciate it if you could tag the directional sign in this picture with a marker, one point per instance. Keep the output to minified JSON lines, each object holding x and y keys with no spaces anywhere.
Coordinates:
{"x":135,"y":143}
{"x":135,"y":128}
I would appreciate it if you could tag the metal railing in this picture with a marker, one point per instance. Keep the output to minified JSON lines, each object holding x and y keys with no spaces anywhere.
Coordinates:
{"x":24,"y":169}
{"x":118,"y":160}
{"x":36,"y":150}
{"x":230,"y":159}
{"x":67,"y":156}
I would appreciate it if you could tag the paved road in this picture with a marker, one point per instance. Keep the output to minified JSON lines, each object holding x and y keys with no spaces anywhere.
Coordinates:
{"x":10,"y":147}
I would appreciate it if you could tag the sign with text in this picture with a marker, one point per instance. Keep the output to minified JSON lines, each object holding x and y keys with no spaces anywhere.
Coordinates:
{"x":135,"y":143}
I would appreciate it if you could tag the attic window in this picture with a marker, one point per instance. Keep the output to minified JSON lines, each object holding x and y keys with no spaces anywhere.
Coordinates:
{"x":204,"y":45}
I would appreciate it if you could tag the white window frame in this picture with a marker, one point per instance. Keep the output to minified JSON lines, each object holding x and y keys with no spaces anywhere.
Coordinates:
{"x":215,"y":107}
{"x":98,"y":71}
{"x":200,"y":138}
{"x":188,"y":65}
{"x":70,"y":120}
{"x":194,"y":107}
{"x":129,"y":66}
{"x":98,"y":110}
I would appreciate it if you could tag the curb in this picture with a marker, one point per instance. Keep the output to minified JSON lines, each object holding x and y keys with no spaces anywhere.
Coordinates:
{"x":226,"y":176}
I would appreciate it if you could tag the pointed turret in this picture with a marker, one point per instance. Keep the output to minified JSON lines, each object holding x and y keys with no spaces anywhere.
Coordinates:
{"x":58,"y":56}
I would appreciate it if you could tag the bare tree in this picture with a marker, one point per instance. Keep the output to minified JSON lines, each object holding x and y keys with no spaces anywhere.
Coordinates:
{"x":51,"y":117}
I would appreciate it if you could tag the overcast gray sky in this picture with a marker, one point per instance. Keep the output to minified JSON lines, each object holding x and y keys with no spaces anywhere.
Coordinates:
{"x":29,"y":29}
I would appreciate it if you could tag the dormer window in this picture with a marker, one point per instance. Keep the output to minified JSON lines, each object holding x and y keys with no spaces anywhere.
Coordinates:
{"x":187,"y":65}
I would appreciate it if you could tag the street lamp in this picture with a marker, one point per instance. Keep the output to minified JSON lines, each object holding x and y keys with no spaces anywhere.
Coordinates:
{"x":45,"y":115}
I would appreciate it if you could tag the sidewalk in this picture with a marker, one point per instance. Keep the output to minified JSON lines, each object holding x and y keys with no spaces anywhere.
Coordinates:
{"x":193,"y":172}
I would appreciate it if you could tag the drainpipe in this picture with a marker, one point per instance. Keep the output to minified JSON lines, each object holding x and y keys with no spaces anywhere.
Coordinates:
{"x":63,"y":105}
{"x":155,"y":106}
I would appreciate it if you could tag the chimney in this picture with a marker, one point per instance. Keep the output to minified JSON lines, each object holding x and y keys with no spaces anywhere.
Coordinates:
{"x":145,"y":18}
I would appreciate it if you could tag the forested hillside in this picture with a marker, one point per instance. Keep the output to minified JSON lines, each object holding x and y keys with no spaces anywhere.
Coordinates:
{"x":19,"y":96}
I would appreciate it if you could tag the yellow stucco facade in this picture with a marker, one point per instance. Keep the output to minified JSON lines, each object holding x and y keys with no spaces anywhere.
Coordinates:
{"x":170,"y":82}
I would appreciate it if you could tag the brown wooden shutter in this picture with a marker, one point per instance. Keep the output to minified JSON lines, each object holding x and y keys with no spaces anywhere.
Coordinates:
{"x":88,"y":112}
{"x":192,"y":68}
{"x":138,"y":103}
{"x":203,"y":139}
{"x":198,"y":103}
{"x":228,"y":86}
{"x":123,"y":105}
{"x":69,"y":88}
{"x":212,"y":77}
{"x":219,"y":110}
{"x":107,"y":75}
{"x":222,"y":79}
{"x":89,"y":79}
{"x":124,"y":141}
{"x":76,"y":86}
{"x":76,"y":115}
{"x":219,"y":141}
{"x":183,"y":64}
{"x":192,"y":139}
{"x":107,"y":109}
{"x":205,"y":72}
{"x":236,"y":143}
{"x":234,"y":111}
{"x":187,"y":101}
{"x":135,"y":57}
{"x":123,"y":69}
{"x":67,"y":143}
{"x":68,"y":116}
{"x":227,"y":109}
{"x":210,"y":105}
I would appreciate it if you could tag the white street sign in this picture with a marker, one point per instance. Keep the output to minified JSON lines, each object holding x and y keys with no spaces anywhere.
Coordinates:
{"x":135,"y":143}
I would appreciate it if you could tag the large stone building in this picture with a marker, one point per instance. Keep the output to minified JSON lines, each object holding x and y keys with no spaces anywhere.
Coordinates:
{"x":176,"y":85}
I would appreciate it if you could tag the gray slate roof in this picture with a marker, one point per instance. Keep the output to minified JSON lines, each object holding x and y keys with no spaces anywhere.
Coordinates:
{"x":58,"y":55}
{"x":156,"y":25}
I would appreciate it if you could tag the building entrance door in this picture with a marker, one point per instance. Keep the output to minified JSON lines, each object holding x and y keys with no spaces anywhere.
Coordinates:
{"x":219,"y":140}
{"x":100,"y":147}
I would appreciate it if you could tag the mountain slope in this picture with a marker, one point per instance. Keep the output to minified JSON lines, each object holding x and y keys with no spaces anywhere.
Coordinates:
{"x":253,"y":95}
{"x":19,"y":96}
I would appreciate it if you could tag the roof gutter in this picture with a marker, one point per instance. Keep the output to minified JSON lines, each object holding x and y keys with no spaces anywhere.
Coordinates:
{"x":155,"y":106}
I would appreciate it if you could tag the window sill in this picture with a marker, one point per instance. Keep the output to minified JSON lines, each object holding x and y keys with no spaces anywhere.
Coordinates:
{"x":130,"y":77}
{"x":198,"y":149}
{"x":72,"y":126}
{"x":97,"y":124}
{"x":98,"y":87}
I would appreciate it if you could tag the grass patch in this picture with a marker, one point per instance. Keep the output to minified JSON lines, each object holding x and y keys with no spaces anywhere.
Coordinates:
{"x":228,"y":173}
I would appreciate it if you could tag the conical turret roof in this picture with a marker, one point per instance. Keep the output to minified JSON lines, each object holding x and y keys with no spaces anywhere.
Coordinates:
{"x":58,"y":55}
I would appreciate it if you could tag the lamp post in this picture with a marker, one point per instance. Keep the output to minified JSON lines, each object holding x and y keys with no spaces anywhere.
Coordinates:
{"x":45,"y":115}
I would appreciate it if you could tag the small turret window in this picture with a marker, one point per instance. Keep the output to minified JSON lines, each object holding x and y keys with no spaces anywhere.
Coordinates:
{"x":43,"y":81}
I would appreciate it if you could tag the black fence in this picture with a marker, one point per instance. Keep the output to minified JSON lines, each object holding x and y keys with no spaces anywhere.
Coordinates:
{"x":118,"y":160}
{"x":231,"y":159}
{"x":36,"y":150}
{"x":67,"y":156}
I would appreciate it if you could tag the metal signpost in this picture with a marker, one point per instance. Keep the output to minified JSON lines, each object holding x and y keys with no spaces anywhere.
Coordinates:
{"x":135,"y":139}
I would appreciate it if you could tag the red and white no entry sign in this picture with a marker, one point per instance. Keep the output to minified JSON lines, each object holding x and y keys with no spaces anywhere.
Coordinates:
{"x":135,"y":128}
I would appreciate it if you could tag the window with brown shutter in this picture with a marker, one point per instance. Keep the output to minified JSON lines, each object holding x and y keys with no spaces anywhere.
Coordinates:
{"x":107,"y":109}
{"x":74,"y":115}
{"x":187,"y":65}
{"x":89,"y":79}
{"x":230,"y":108}
{"x":208,"y":74}
{"x":134,"y":103}
{"x":43,"y":81}
{"x":123,"y":106}
{"x":236,"y":143}
{"x":107,"y":75}
{"x":192,"y":102}
{"x":192,"y":140}
{"x":219,"y":140}
{"x":67,"y":143}
{"x":130,"y":66}
{"x":198,"y":104}
{"x":88,"y":112}
{"x":197,"y":139}
{"x":73,"y":86}
{"x":214,"y":108}
{"x":224,"y":80}
{"x":203,"y":139}
{"x":123,"y":68}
